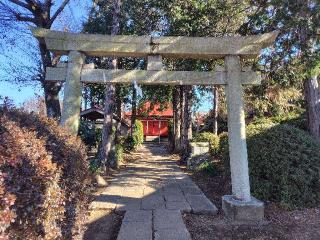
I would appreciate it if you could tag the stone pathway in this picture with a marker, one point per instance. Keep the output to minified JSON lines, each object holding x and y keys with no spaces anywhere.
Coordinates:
{"x":153,"y":192}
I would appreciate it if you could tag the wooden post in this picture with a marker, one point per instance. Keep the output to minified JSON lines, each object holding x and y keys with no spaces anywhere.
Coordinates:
{"x":72,"y":93}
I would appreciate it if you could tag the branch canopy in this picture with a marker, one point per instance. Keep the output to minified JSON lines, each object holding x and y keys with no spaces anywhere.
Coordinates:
{"x":142,"y":46}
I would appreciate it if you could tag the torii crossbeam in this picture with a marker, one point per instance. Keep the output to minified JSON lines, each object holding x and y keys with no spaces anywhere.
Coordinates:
{"x":233,"y":76}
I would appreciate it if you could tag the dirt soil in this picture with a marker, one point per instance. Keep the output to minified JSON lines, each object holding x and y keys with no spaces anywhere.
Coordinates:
{"x":103,"y":225}
{"x":281,"y":224}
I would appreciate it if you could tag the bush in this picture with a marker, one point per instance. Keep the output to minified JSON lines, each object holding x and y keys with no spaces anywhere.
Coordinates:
{"x":223,"y":151}
{"x":211,"y":138}
{"x":89,"y":134}
{"x":284,"y":164}
{"x":137,"y":135}
{"x":131,"y":142}
{"x":43,"y":179}
{"x":115,"y":157}
{"x":207,"y":167}
{"x":119,"y":153}
{"x":297,"y":120}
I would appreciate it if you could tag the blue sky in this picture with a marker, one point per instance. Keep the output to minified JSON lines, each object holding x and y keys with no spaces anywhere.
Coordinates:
{"x":19,"y":47}
{"x":76,"y":12}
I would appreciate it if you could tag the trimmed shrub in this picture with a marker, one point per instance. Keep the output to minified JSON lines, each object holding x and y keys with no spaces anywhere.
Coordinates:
{"x":43,"y":178}
{"x":208,"y":137}
{"x":284,"y":164}
{"x":297,"y":120}
{"x":115,"y":157}
{"x":119,"y":152}
{"x":138,"y":133}
{"x":207,"y":167}
{"x":131,"y":142}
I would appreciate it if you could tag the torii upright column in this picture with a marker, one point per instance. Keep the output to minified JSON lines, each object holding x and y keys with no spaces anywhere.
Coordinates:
{"x":237,"y":130}
{"x":72,"y":93}
{"x":239,"y":206}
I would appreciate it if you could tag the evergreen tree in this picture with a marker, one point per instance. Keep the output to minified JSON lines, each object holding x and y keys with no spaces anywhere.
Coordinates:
{"x":294,"y":59}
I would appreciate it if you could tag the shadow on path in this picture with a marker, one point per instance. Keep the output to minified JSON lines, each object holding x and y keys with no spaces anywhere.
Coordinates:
{"x":152,"y":191}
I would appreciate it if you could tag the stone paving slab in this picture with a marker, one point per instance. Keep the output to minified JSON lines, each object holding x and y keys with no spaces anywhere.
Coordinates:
{"x":169,"y":225}
{"x":153,"y":202}
{"x":182,"y":206}
{"x":191,"y":190}
{"x":105,"y":202}
{"x":167,"y":219}
{"x":138,"y":216}
{"x":172,"y":234}
{"x":135,"y":231}
{"x":200,"y":204}
{"x":125,"y":204}
{"x":153,"y":192}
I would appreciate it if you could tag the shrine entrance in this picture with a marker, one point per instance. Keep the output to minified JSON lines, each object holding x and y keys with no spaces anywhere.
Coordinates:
{"x":239,"y":205}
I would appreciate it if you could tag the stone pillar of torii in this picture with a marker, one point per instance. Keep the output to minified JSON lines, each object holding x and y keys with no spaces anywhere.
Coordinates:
{"x":240,"y":206}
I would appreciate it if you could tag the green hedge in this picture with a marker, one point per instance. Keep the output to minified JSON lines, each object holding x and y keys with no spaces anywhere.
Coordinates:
{"x":131,"y":142}
{"x":284,"y":164}
{"x":138,"y":133}
{"x":208,"y":137}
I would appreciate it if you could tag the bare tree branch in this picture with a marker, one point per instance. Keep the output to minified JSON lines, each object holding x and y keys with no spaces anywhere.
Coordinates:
{"x":25,"y":19}
{"x":19,"y":3}
{"x":33,"y":2}
{"x":47,"y":6}
{"x":59,"y":10}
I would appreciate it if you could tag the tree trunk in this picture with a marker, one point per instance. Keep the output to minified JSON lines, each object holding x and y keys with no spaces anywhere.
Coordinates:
{"x":187,"y":122}
{"x":133,"y":108}
{"x":107,"y":142}
{"x":51,"y":90}
{"x":215,"y":110}
{"x":311,"y":85}
{"x":119,"y":109}
{"x":182,"y":120}
{"x":39,"y":13}
{"x":177,"y":119}
{"x":187,"y":115}
{"x":51,"y":95}
{"x":312,"y":98}
{"x":107,"y":138}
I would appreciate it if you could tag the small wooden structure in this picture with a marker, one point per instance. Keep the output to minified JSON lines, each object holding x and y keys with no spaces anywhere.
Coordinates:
{"x":96,"y":115}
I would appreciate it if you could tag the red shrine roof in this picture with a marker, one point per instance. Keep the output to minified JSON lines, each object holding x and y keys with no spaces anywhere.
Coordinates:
{"x":153,"y":110}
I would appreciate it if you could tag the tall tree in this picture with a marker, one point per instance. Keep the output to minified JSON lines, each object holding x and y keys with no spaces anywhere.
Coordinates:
{"x":182,"y":118}
{"x":200,"y":19}
{"x":109,"y":104}
{"x":294,"y":58}
{"x":40,"y":14}
{"x":116,"y":17}
{"x":187,"y":123}
{"x":133,"y":107}
{"x":176,"y":119}
{"x":215,"y":110}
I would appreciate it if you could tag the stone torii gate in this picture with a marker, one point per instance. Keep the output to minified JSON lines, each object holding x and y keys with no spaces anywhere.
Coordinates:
{"x":238,"y":206}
